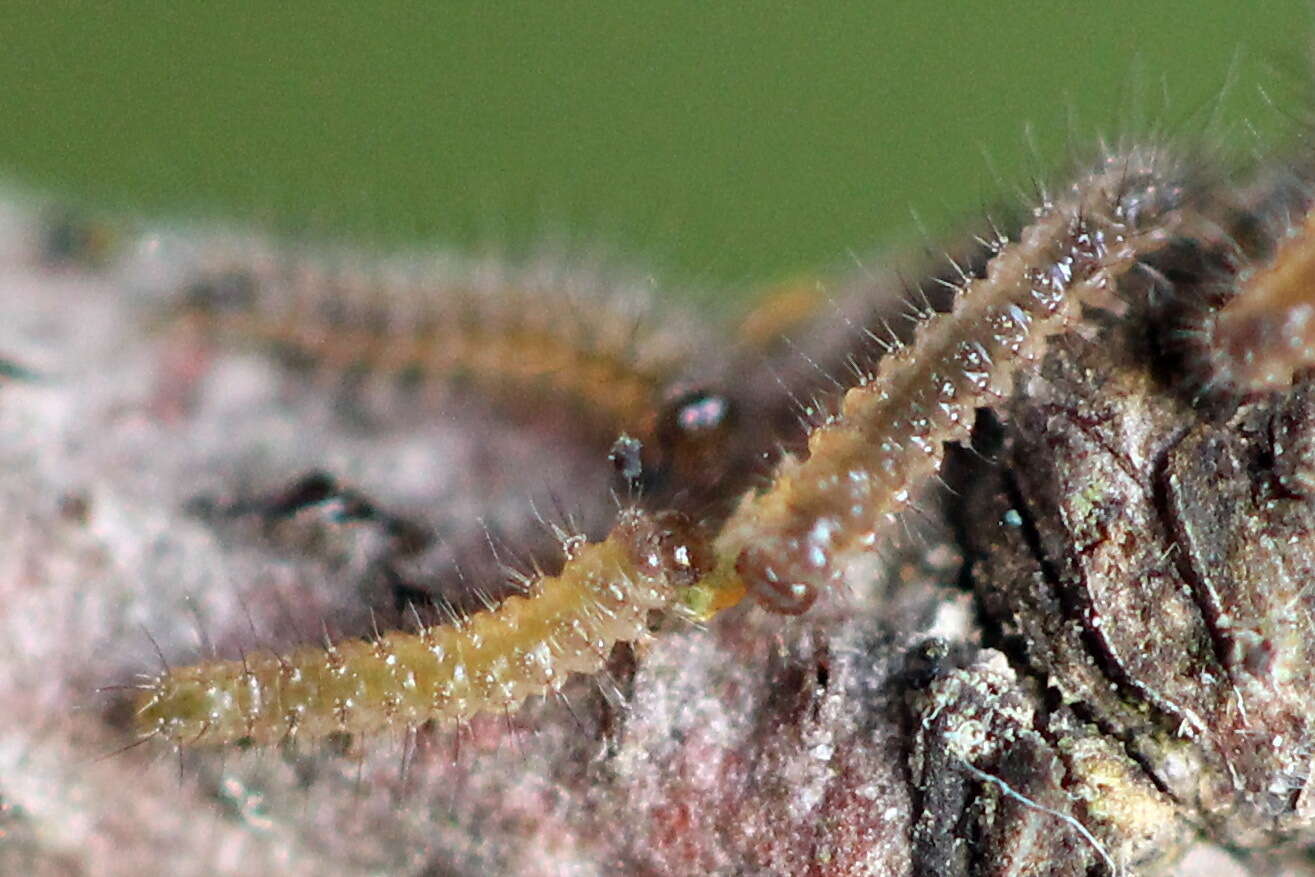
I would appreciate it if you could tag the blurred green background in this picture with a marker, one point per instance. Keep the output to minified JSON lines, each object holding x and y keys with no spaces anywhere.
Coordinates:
{"x":724,"y":144}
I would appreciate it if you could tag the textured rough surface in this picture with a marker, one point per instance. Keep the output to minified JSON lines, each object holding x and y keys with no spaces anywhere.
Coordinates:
{"x":1151,"y":569}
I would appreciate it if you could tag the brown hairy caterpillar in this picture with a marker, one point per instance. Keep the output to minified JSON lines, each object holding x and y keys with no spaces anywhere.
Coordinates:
{"x":533,"y":340}
{"x":866,"y":462}
{"x":488,"y":662}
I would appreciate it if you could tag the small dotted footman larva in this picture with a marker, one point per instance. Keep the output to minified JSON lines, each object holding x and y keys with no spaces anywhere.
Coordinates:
{"x":538,"y":338}
{"x":866,"y":463}
{"x":488,"y":662}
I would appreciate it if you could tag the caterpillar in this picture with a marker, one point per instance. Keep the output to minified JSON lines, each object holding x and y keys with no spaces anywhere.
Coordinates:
{"x":865,"y":462}
{"x":542,"y":339}
{"x":489,"y":662}
{"x":1266,"y":331}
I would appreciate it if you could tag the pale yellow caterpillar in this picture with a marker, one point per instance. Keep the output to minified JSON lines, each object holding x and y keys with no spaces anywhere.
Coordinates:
{"x":489,"y":662}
